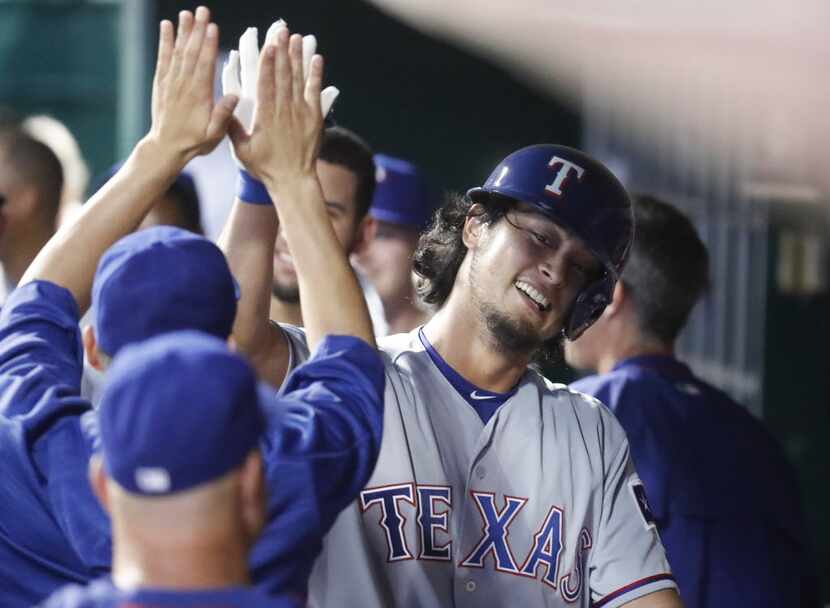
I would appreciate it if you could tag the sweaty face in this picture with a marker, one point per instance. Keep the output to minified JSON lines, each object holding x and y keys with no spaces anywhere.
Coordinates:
{"x":525,"y":273}
{"x":387,"y":260}
{"x":339,"y":190}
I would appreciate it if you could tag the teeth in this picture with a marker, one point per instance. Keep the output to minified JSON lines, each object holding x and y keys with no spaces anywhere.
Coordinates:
{"x":533,"y":293}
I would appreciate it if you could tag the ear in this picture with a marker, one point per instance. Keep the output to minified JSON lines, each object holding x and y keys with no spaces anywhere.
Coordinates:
{"x":91,"y":348}
{"x":364,"y":235}
{"x":618,"y":298}
{"x":98,"y":480}
{"x":253,"y":497}
{"x":473,"y":227}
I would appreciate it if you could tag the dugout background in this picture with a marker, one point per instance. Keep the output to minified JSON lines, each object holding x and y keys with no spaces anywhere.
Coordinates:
{"x":762,"y":334}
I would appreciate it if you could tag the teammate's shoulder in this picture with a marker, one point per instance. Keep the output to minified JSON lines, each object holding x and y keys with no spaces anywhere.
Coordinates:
{"x":562,"y":392}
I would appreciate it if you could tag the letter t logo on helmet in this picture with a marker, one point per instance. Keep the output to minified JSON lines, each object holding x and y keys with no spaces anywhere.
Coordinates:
{"x":583,"y":198}
{"x":566,"y":167}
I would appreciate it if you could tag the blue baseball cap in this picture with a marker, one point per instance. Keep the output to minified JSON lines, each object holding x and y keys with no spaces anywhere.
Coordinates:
{"x":177,"y":411}
{"x":159,"y":280}
{"x":401,"y":193}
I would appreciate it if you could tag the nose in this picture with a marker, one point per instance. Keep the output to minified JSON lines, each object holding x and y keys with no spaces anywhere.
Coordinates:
{"x":553,"y":269}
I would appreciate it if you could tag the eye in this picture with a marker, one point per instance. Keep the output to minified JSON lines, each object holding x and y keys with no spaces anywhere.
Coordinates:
{"x":540,"y":238}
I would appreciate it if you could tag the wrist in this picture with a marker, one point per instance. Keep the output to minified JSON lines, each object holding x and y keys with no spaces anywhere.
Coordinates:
{"x":151,"y":152}
{"x":299,"y":186}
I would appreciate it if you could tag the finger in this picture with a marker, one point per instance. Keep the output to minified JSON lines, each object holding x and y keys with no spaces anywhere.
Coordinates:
{"x":271,"y":34}
{"x":206,"y":63}
{"x":327,"y":99}
{"x":266,"y":92}
{"x":237,"y":134}
{"x":193,"y":49}
{"x":313,"y":84}
{"x":182,"y":35}
{"x":220,"y":118}
{"x":248,"y":58}
{"x":283,"y":70}
{"x":309,"y":48}
{"x":165,"y":51}
{"x":230,"y":75}
{"x":295,"y":54}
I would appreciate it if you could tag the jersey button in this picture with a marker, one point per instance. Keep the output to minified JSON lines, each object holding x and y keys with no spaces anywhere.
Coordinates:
{"x":470,"y":586}
{"x":481,"y":472}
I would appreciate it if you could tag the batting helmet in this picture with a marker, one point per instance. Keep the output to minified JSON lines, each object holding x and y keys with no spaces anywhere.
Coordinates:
{"x":584,"y":198}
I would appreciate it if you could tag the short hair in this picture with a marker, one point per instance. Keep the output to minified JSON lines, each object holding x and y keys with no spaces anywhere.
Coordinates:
{"x":34,"y":164}
{"x":343,"y":147}
{"x":183,"y":191}
{"x":441,"y":247}
{"x":667,"y":270}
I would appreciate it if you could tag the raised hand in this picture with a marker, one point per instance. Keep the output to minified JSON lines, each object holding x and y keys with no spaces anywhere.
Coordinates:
{"x":287,"y":123}
{"x":185,"y":120}
{"x":239,"y":75}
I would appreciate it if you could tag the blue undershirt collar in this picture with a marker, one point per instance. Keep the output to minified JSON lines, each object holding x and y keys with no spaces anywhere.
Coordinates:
{"x":484,"y":402}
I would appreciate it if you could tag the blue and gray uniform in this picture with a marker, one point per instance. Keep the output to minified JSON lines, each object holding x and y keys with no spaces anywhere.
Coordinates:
{"x":322,"y":440}
{"x":723,"y":496}
{"x":536,"y":506}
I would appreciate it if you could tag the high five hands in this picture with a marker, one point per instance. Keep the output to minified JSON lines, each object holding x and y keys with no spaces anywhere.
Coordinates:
{"x":185,"y":120}
{"x":287,"y":121}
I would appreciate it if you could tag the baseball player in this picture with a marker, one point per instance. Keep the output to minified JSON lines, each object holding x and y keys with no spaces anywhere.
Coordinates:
{"x":318,"y":447}
{"x":186,"y":506}
{"x":401,"y":208}
{"x":720,"y":491}
{"x":494,"y":487}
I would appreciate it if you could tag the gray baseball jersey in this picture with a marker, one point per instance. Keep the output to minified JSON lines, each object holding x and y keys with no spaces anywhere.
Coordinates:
{"x":541,"y":506}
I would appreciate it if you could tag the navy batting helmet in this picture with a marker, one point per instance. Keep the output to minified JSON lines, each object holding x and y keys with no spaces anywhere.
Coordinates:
{"x":584,"y":198}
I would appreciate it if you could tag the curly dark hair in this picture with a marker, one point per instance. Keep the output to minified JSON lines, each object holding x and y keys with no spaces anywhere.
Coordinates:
{"x":441,"y":250}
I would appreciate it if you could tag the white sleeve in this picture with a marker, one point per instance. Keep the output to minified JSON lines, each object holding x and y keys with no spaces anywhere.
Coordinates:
{"x":628,"y":560}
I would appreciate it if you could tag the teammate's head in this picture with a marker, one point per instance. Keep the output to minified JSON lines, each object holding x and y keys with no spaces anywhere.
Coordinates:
{"x":31,"y":180}
{"x":536,"y":250}
{"x":347,"y":177}
{"x":180,"y":424}
{"x":156,"y":281}
{"x":179,"y":206}
{"x":666,"y":274}
{"x":60,"y":140}
{"x":401,"y":209}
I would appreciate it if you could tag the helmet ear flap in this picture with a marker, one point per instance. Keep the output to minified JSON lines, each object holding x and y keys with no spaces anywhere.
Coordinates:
{"x":588,"y":306}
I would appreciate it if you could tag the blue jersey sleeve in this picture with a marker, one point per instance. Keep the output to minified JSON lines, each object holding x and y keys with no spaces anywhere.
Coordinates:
{"x":60,"y":533}
{"x":40,"y":346}
{"x":323,"y":438}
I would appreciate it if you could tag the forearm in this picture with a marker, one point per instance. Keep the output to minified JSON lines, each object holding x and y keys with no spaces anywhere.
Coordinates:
{"x":248,"y":243}
{"x":71,"y":256}
{"x":332,"y":301}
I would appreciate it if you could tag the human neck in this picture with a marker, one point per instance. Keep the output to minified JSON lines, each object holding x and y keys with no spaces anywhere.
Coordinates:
{"x":159,"y":563}
{"x":631,"y":346}
{"x":469,"y":349}
{"x":286,"y":312}
{"x":402,"y":315}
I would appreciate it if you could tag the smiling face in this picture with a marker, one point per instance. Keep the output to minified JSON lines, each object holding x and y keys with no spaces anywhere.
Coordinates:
{"x":339,"y":186}
{"x":524,"y":274}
